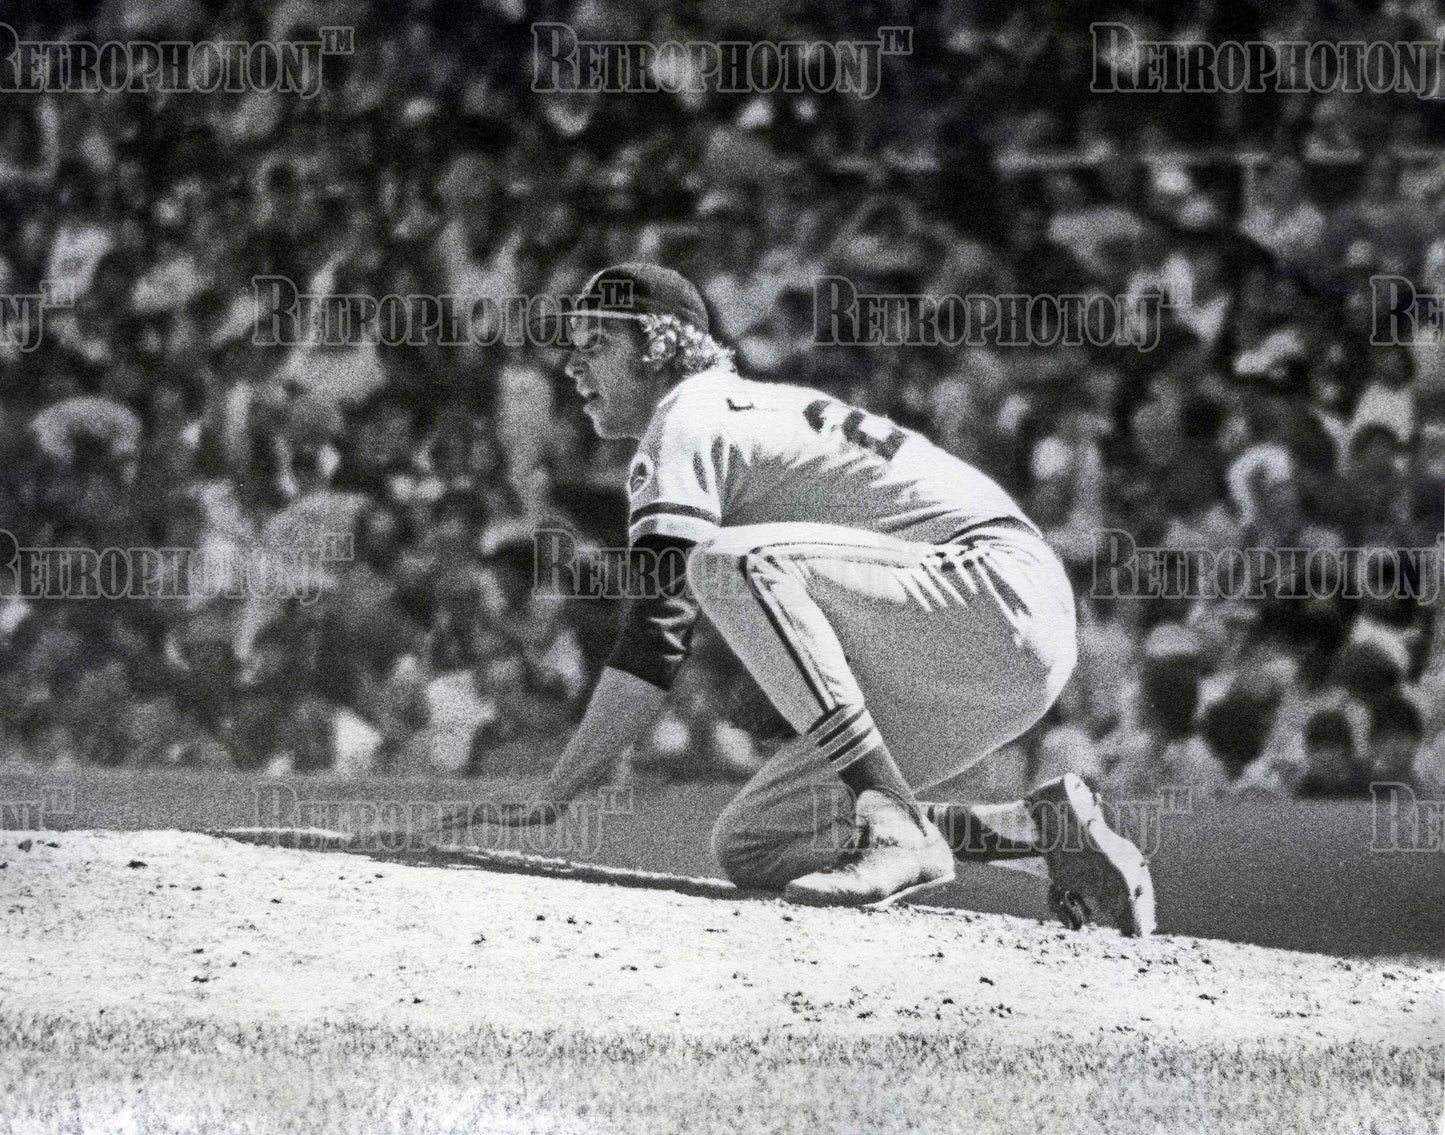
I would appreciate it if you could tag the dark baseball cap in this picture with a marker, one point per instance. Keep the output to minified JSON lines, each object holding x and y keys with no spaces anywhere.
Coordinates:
{"x":630,"y":291}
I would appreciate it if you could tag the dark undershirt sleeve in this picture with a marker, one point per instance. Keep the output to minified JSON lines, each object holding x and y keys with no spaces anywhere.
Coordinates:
{"x":657,"y":626}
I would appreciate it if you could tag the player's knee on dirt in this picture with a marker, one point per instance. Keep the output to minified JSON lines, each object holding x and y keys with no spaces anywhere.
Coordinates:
{"x":757,"y":856}
{"x":747,"y":859}
{"x":730,"y":846}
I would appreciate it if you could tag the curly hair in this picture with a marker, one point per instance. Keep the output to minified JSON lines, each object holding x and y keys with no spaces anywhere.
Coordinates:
{"x":689,"y":349}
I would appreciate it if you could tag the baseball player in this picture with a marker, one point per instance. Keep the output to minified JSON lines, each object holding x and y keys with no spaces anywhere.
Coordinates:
{"x":891,"y":600}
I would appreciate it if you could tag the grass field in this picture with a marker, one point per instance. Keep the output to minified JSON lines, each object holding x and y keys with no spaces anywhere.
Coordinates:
{"x":142,"y":1076}
{"x":169,"y":982}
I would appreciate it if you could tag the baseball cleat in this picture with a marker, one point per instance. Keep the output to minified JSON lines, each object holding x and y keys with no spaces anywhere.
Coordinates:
{"x":1068,"y":907}
{"x":1093,"y":870}
{"x":898,"y":855}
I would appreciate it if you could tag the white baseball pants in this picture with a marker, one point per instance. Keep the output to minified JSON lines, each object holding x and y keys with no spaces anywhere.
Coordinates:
{"x":955,"y":649}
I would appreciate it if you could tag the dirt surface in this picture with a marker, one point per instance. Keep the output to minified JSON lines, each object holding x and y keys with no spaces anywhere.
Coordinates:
{"x":167,"y":923}
{"x":1293,"y":874}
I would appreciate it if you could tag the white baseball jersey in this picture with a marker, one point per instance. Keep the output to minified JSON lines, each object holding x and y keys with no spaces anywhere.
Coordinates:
{"x":723,"y":451}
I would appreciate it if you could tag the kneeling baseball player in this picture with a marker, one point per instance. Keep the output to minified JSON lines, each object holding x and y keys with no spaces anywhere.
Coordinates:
{"x":891,"y":600}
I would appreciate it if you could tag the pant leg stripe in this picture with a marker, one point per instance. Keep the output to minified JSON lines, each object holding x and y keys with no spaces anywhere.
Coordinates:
{"x":834,"y":726}
{"x":860,"y":748}
{"x":846,"y":739}
{"x":770,"y":609}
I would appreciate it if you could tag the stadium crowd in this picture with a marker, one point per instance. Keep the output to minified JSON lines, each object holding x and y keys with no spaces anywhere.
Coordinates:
{"x":149,"y":415}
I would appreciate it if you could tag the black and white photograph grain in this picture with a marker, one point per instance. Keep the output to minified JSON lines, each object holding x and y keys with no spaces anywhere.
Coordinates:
{"x":726,"y":567}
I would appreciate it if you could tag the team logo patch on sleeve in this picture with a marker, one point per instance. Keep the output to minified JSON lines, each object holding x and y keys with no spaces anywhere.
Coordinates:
{"x":642,"y":471}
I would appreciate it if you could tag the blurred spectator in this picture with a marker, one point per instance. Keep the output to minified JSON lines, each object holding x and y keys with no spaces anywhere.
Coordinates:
{"x":1333,"y":761}
{"x":1281,"y":216}
{"x":1154,"y":745}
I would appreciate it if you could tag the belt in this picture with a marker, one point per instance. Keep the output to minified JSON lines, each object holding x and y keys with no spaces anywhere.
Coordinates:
{"x":985,"y":528}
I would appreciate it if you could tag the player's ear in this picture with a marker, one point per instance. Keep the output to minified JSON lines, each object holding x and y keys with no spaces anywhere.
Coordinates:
{"x":660,"y":345}
{"x":657,"y":352}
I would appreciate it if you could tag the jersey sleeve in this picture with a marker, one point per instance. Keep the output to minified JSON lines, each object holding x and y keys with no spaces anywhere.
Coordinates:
{"x":656,"y":634}
{"x":676,"y":483}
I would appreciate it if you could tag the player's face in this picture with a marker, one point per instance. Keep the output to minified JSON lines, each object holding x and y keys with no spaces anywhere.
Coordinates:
{"x":618,"y":391}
